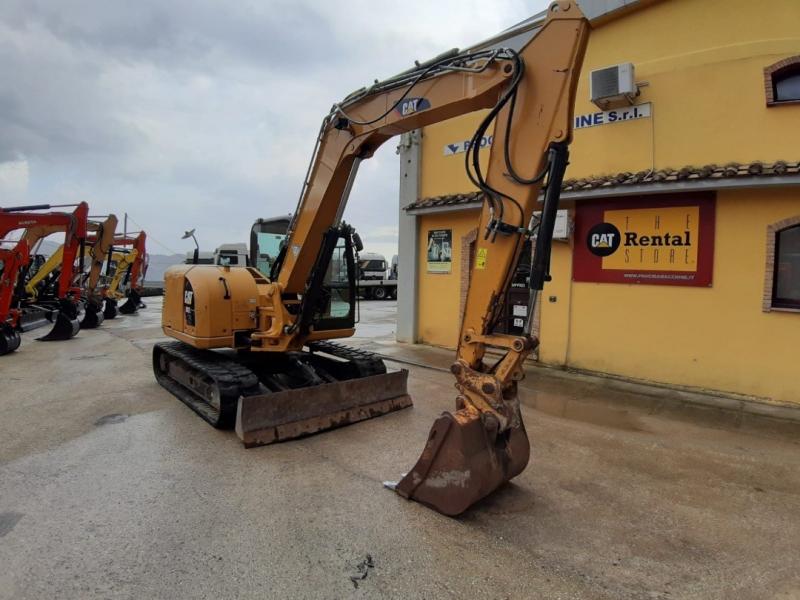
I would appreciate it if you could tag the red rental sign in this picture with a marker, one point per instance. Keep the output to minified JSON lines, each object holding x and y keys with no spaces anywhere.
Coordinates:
{"x":663,"y":240}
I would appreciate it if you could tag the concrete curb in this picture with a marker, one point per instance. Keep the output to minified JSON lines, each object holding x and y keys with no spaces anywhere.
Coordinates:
{"x":730,"y":403}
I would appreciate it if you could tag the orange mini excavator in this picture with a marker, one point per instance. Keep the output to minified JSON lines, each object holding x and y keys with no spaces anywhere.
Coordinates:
{"x":63,"y":310}
{"x":286,"y":378}
{"x":100,"y":249}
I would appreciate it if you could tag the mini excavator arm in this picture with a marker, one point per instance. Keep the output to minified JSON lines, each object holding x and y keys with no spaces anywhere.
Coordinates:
{"x":530,"y":95}
{"x":138,"y":266}
{"x":102,"y":243}
{"x":124,"y":261}
{"x":52,"y":263}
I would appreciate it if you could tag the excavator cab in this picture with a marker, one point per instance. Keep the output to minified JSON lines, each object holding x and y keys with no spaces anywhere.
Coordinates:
{"x":336,"y":301}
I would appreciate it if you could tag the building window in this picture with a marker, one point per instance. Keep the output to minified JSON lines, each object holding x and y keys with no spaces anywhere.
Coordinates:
{"x":786,"y":283}
{"x":782,"y":285}
{"x":782,"y":81}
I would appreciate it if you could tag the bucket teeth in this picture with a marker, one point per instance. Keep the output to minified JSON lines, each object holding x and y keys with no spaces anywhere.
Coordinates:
{"x":464,"y":461}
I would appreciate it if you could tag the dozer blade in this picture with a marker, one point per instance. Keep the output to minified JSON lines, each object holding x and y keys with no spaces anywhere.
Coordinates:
{"x":131,"y":305}
{"x":9,"y":339}
{"x":464,"y":461}
{"x":64,"y":328}
{"x":34,"y":317}
{"x":93,"y":316}
{"x":279,"y":416}
{"x":110,"y":310}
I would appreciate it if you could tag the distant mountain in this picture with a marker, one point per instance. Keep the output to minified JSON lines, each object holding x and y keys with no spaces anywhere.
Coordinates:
{"x":155,"y":272}
{"x":160,"y":263}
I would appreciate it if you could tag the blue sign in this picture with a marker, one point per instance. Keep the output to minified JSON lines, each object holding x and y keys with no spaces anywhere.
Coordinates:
{"x":640,"y":111}
{"x":461,"y":147}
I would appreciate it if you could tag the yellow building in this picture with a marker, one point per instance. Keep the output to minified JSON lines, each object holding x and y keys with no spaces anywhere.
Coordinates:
{"x":680,"y":257}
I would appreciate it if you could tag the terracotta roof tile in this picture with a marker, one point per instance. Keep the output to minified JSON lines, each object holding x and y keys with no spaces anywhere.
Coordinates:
{"x":688,"y":173}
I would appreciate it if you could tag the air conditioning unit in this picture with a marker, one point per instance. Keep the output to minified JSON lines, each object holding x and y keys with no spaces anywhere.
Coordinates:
{"x":613,"y":86}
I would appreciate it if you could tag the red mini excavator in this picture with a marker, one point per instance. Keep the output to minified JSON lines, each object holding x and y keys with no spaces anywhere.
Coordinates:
{"x":64,"y":309}
{"x":12,"y":261}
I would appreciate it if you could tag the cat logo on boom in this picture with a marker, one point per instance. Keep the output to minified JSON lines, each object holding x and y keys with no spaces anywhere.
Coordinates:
{"x":409,"y":106}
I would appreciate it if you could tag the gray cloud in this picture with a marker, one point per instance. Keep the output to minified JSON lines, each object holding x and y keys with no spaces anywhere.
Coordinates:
{"x":203,"y":113}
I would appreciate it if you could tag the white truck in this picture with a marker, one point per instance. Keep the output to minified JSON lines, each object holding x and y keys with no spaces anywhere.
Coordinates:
{"x":229,"y":255}
{"x":376,"y":279}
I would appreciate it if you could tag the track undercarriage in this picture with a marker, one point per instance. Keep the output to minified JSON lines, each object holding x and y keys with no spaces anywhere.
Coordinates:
{"x":283,"y":396}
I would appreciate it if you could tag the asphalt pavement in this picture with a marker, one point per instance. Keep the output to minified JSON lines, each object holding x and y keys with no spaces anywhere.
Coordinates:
{"x":111,"y":488}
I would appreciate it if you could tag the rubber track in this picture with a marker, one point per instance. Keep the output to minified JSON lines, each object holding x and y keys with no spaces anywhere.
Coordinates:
{"x":367,"y":363}
{"x":231,"y":378}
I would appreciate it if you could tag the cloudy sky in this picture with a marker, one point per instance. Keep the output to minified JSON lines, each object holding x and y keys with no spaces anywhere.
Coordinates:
{"x":202,"y":114}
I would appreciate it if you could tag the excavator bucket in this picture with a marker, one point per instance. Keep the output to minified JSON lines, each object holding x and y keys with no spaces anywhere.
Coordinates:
{"x":464,"y":460}
{"x":110,"y":309}
{"x":65,"y":323}
{"x":131,"y":305}
{"x":93,"y":316}
{"x":9,"y":339}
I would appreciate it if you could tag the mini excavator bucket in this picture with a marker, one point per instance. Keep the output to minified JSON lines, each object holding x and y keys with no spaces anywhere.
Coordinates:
{"x":131,"y":305}
{"x":93,"y":315}
{"x":110,"y":308}
{"x":464,"y":460}
{"x":65,"y":323}
{"x":9,"y":339}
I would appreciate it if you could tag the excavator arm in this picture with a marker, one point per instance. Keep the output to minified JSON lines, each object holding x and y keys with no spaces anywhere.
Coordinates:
{"x":101,"y":240}
{"x":124,"y":261}
{"x":530,"y":95}
{"x":134,"y":272}
{"x":100,"y":247}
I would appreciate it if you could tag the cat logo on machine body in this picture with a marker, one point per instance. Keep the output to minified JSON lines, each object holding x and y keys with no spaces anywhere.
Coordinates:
{"x":409,"y":106}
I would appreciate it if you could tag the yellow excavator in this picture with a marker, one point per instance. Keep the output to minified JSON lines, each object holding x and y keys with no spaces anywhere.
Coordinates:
{"x":253,"y":349}
{"x":122,"y":261}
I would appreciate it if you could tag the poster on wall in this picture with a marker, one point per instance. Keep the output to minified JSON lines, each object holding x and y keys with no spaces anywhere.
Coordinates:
{"x":440,"y":250}
{"x":659,"y":240}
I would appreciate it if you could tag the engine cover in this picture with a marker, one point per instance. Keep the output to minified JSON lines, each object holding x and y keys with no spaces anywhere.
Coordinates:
{"x":206,"y":305}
